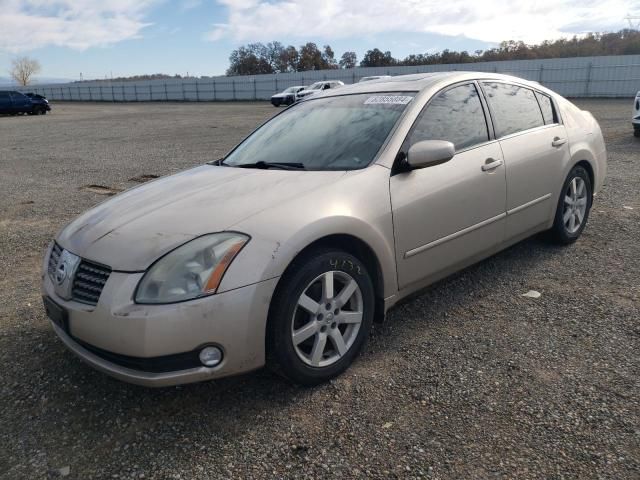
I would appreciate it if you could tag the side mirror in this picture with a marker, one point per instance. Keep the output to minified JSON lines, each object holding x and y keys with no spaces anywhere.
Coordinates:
{"x":428,"y":153}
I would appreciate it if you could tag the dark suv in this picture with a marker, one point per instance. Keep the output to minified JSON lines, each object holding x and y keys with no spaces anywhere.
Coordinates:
{"x":40,"y":103}
{"x":14,"y":103}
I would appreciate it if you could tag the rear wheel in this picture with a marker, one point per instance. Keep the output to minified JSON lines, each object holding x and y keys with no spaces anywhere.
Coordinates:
{"x":573,"y":207}
{"x":320,"y":317}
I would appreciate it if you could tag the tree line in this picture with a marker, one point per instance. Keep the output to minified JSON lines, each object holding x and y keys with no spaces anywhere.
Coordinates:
{"x":274,"y":57}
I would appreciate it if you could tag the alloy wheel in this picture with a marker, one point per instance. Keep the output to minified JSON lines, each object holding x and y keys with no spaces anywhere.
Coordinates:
{"x":327,"y":318}
{"x":575,"y":205}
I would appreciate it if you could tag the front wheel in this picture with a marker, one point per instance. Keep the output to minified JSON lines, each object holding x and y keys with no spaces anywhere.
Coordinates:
{"x":320,"y":317}
{"x":573,"y":207}
{"x":636,"y":132}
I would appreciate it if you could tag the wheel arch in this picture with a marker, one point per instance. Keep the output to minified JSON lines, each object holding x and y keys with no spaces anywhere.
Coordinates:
{"x":589,"y":168}
{"x":356,"y":247}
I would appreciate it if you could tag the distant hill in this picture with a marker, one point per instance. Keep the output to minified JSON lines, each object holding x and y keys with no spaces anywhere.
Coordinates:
{"x":6,"y":81}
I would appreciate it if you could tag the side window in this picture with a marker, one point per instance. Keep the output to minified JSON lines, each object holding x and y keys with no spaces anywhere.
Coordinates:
{"x":548,"y":112}
{"x":514,"y":108}
{"x":455,"y":115}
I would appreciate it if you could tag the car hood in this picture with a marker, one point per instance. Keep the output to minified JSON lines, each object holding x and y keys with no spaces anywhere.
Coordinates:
{"x":281,"y":95}
{"x":131,"y":230}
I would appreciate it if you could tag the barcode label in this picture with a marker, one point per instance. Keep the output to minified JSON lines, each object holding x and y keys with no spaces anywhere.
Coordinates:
{"x":388,"y":100}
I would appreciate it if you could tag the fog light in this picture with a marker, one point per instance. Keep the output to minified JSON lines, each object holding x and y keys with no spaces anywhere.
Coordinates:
{"x":210,"y":356}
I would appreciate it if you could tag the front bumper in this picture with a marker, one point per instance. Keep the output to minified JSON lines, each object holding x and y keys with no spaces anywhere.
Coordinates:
{"x":117,"y":328}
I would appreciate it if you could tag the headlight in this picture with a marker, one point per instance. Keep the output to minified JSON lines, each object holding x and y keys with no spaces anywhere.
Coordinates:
{"x":193,"y":270}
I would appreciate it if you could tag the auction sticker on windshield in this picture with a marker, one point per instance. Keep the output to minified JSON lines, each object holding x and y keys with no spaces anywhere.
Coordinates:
{"x":388,"y":100}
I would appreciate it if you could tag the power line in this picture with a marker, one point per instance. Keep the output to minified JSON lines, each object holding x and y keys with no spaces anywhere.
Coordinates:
{"x":634,"y":21}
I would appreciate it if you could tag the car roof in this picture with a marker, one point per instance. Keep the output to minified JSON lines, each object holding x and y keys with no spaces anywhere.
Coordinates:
{"x":421,"y":81}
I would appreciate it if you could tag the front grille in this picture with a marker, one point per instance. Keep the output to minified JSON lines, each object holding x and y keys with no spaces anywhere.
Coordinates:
{"x":89,"y":282}
{"x":53,"y":259}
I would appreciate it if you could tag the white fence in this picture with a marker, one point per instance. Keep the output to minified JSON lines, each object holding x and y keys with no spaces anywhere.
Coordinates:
{"x":611,"y":76}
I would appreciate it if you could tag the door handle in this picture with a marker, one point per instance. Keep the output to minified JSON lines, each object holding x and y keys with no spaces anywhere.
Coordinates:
{"x":557,"y":142}
{"x":491,"y":164}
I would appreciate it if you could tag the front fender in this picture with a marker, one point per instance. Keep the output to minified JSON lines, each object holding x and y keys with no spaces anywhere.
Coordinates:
{"x":357,"y":205}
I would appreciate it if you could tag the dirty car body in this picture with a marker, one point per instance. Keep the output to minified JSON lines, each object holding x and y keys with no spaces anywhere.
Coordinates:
{"x":212,"y":272}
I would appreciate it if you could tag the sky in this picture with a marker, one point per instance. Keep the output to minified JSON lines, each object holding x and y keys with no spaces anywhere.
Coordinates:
{"x":103,"y":38}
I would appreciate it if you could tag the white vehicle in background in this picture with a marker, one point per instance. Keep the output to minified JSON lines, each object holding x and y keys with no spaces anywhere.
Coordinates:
{"x":320,"y":86}
{"x":288,"y":96}
{"x":635,"y":119}
{"x":374,"y":77}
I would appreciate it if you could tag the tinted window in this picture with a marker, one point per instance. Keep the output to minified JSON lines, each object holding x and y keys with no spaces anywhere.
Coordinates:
{"x":514,"y":108}
{"x":547,"y":109}
{"x":332,"y":133}
{"x":455,"y":115}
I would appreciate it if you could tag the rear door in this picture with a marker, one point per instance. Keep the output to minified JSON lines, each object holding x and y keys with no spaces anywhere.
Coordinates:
{"x":446,"y":215}
{"x":535,"y":149}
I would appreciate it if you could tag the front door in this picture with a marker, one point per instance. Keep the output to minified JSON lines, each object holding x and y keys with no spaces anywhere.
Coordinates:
{"x":5,"y":102}
{"x":446,"y":215}
{"x":20,"y":103}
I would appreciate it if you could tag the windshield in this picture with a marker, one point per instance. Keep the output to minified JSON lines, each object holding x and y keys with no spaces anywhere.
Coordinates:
{"x":333,"y":133}
{"x":290,"y":90}
{"x":316,"y":86}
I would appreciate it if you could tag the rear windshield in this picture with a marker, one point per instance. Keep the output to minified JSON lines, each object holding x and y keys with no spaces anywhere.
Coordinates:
{"x":333,"y":133}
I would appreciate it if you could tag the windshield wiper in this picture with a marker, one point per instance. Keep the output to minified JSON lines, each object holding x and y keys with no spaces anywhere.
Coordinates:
{"x":265,"y":165}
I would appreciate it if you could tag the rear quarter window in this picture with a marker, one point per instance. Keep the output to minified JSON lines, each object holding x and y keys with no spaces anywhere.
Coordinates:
{"x":548,"y":111}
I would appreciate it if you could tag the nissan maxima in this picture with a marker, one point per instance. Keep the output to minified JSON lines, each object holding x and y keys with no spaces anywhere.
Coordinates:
{"x":284,"y":252}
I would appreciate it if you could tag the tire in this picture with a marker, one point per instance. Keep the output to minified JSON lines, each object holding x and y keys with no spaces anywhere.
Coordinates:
{"x":574,"y":204}
{"x":636,"y":132}
{"x":304,"y":346}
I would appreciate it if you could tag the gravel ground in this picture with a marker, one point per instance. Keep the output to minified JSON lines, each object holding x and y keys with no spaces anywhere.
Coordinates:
{"x":468,"y":380}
